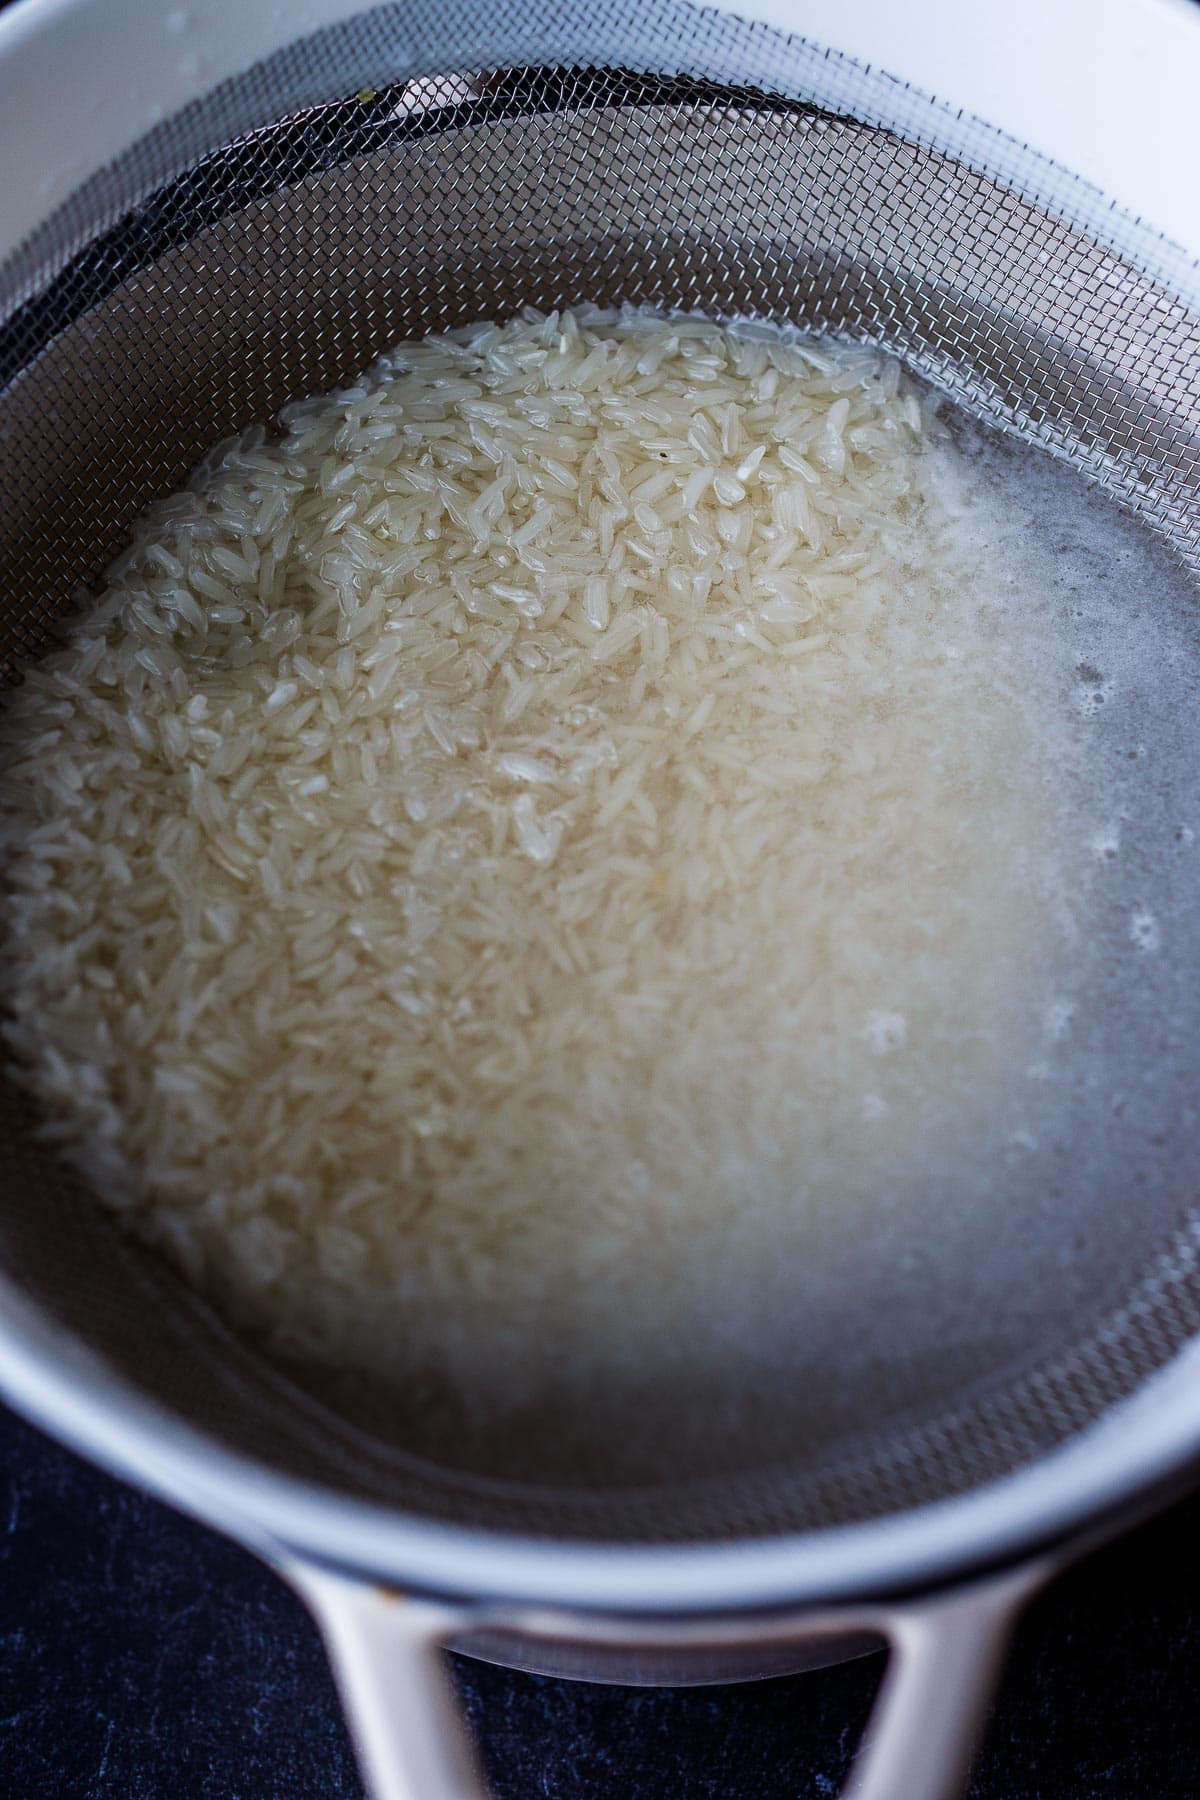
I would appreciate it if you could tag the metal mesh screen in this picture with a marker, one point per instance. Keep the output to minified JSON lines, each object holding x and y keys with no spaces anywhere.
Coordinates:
{"x":277,"y":264}
{"x":282,"y":263}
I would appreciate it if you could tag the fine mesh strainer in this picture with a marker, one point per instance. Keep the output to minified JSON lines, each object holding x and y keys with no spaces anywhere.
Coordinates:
{"x":273,"y":204}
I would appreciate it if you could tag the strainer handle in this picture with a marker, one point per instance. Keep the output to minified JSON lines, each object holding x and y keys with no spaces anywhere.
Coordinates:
{"x":944,"y":1660}
{"x":413,"y":1744}
{"x":385,"y":1650}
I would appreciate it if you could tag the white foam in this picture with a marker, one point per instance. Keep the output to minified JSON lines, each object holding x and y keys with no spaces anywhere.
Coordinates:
{"x":1145,"y":933}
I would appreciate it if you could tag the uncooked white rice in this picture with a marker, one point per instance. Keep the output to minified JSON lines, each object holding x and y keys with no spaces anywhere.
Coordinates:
{"x":544,"y":812}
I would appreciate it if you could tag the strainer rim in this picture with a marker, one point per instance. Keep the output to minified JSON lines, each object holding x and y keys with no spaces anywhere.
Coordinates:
{"x":1141,"y":1443}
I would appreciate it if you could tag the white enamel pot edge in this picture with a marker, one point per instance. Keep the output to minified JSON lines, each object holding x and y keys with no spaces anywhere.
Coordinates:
{"x":1107,"y":92}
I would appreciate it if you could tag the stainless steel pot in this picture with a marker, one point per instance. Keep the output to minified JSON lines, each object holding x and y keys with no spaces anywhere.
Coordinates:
{"x":251,"y":207}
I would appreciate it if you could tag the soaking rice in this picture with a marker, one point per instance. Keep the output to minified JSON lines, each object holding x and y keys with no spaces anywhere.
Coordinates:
{"x":525,"y":823}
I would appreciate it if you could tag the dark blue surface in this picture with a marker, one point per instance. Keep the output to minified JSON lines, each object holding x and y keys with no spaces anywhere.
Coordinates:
{"x":143,"y":1658}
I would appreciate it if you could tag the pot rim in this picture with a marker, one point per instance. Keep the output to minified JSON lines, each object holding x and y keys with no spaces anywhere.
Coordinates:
{"x":1140,"y":1444}
{"x":1054,"y":82}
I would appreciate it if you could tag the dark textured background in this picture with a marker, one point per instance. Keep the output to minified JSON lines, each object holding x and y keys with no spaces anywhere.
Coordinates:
{"x":142,"y":1658}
